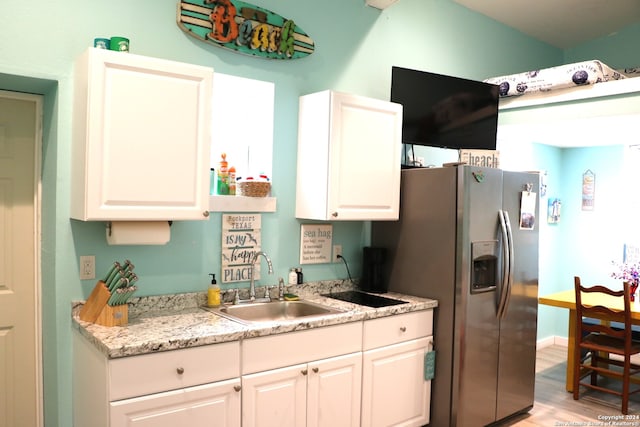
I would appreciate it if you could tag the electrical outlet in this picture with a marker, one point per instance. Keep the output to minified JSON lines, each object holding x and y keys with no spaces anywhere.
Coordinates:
{"x":87,"y":267}
{"x":337,"y":250}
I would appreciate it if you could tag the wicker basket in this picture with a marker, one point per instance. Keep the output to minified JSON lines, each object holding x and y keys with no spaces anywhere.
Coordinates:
{"x":253,"y":188}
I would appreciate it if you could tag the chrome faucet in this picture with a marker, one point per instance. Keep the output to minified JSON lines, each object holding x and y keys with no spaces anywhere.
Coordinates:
{"x":252,"y":287}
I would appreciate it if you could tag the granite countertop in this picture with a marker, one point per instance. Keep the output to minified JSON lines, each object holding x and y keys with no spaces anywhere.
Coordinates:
{"x":171,"y":322}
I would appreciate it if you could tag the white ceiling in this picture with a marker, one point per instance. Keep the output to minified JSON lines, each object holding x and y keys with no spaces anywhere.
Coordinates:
{"x":560,"y":23}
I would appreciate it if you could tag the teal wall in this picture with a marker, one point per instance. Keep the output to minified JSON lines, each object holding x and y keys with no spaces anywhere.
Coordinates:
{"x":355,"y":49}
{"x":614,"y":50}
{"x":583,"y":243}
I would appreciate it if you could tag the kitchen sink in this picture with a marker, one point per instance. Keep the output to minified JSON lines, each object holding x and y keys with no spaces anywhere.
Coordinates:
{"x":273,"y":311}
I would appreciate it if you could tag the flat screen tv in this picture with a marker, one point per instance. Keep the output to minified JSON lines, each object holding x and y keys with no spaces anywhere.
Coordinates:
{"x":445,"y":111}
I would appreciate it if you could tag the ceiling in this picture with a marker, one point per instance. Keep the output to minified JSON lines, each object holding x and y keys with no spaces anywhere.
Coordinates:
{"x":560,"y":23}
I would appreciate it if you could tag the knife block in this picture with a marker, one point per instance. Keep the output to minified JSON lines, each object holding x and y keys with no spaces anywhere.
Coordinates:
{"x":96,"y":310}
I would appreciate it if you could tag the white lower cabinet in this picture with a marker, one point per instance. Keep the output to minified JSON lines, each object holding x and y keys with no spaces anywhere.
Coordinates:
{"x":275,"y":398}
{"x":334,"y":391}
{"x":367,"y":373}
{"x":324,"y":393}
{"x":394,"y":391}
{"x":217,"y":403}
{"x":308,"y":378}
{"x":192,"y":387}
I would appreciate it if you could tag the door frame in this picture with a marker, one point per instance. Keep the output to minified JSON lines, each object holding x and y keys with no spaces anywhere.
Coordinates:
{"x":37,"y":205}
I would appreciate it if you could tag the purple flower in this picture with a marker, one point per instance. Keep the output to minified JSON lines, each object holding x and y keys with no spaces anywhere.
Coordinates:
{"x":627,"y":272}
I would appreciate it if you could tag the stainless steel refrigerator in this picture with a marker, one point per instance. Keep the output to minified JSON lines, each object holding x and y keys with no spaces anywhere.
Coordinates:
{"x":468,"y":237}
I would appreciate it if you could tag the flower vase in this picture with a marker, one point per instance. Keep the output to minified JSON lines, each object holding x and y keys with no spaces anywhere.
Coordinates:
{"x":633,"y":287}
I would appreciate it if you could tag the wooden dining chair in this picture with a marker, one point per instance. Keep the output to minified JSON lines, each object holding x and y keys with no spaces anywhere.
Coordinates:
{"x":602,"y":342}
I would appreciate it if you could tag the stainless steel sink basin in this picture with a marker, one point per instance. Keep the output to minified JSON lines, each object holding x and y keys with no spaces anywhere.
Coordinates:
{"x":274,"y":311}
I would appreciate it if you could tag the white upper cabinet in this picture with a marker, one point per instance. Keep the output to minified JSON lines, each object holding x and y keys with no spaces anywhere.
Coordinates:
{"x":141,"y":138}
{"x":348,"y":158}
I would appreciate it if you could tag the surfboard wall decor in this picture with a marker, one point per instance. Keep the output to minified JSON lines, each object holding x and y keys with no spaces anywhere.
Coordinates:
{"x":244,"y":28}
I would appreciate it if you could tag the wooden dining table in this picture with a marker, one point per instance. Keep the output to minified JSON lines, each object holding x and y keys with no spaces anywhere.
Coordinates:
{"x":567,"y":299}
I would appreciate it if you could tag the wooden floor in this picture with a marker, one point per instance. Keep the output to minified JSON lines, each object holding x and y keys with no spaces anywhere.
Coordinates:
{"x":554,"y":406}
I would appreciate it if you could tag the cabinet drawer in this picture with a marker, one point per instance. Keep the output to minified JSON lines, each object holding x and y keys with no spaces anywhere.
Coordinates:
{"x":394,"y":329}
{"x":276,"y":351}
{"x":152,"y":373}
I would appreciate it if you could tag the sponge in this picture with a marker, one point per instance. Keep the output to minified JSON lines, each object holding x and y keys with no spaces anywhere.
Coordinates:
{"x":291,"y":297}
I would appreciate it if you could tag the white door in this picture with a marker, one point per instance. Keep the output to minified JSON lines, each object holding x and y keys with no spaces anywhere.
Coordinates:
{"x":201,"y":406}
{"x":20,"y":365}
{"x":333,"y":392}
{"x":275,"y":398}
{"x":394,"y":392}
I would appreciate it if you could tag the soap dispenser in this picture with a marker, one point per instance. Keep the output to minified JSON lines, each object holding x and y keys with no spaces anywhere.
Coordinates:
{"x":213,"y":294}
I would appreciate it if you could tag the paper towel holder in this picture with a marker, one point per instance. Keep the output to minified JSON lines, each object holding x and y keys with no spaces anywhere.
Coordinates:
{"x":138,"y":232}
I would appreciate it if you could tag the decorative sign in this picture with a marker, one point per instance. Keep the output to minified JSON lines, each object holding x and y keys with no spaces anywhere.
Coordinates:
{"x":485,"y":158}
{"x":554,"y":206}
{"x":631,"y":254}
{"x":315,"y":243}
{"x":241,"y":239}
{"x":588,"y":190}
{"x":245,"y":28}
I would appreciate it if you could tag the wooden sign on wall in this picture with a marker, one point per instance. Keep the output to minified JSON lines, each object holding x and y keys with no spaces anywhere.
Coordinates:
{"x":484,"y":158}
{"x":244,"y":28}
{"x":315,"y":243}
{"x":588,"y":190}
{"x":240,"y":241}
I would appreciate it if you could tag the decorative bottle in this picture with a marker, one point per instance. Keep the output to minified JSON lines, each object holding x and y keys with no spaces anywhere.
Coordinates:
{"x":293,"y":277}
{"x":223,"y":176}
{"x":232,"y":181}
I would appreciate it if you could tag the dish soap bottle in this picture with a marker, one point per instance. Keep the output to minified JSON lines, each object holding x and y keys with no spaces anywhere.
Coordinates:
{"x":213,"y":293}
{"x":223,"y":176}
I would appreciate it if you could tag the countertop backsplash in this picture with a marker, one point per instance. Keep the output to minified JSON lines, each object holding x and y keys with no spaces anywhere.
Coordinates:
{"x":147,"y":305}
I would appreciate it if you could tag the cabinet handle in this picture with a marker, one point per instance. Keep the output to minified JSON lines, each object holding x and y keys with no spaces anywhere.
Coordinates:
{"x":304,"y":372}
{"x":205,"y":214}
{"x":237,"y":387}
{"x":316,"y":370}
{"x":403,"y":329}
{"x":335,"y":214}
{"x":180,"y":371}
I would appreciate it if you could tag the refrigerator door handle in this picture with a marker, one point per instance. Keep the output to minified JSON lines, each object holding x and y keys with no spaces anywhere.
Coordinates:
{"x":512,"y":264}
{"x":507,"y":267}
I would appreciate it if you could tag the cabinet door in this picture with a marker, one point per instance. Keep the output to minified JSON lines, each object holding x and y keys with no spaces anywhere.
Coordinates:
{"x":348,"y":158}
{"x":193,"y":407}
{"x":142,"y":135}
{"x":394,"y":391}
{"x":275,"y":398}
{"x":333,"y":392}
{"x":364,"y":160}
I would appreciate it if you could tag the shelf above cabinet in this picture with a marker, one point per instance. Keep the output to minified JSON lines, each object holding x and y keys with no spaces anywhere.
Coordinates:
{"x":241,"y":204}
